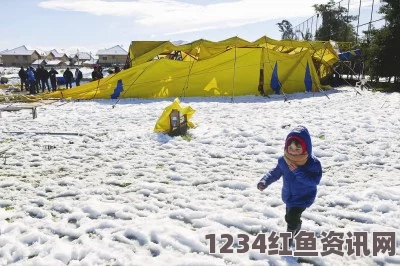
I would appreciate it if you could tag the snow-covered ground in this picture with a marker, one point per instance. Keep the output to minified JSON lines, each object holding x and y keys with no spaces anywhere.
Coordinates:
{"x":120,"y":194}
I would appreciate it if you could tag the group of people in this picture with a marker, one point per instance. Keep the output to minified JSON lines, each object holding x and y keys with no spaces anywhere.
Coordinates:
{"x":97,"y":72}
{"x":36,"y":79}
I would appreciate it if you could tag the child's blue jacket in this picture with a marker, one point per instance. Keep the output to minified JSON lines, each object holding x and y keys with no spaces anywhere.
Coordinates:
{"x":299,"y":186}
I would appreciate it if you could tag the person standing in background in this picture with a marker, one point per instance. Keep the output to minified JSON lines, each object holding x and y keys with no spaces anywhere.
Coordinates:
{"x":96,"y":73}
{"x":100,"y":69}
{"x":37,"y":78}
{"x":68,"y":76}
{"x":53,"y":78}
{"x":23,"y":76}
{"x":78,"y":77}
{"x":31,"y":80}
{"x":45,"y":79}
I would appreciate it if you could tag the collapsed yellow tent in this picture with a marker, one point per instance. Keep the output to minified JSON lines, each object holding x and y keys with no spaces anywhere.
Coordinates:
{"x":202,"y":68}
{"x":163,"y":124}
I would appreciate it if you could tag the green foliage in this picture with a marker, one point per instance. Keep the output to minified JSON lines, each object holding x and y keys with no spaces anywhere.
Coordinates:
{"x":335,"y":23}
{"x":382,"y":48}
{"x":287,"y":30}
{"x":307,"y":36}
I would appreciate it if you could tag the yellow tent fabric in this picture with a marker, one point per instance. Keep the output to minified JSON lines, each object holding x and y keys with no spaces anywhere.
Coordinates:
{"x":222,"y":75}
{"x":231,"y":67}
{"x":292,"y":70}
{"x":163,"y":124}
{"x":322,"y":52}
{"x":201,"y":49}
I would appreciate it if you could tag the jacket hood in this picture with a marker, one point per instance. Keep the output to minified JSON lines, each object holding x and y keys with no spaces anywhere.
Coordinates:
{"x":301,"y":132}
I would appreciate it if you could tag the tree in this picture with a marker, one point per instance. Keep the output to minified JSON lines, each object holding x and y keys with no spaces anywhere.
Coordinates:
{"x":287,"y":30}
{"x":383,"y":51}
{"x":335,"y":23}
{"x":307,"y":36}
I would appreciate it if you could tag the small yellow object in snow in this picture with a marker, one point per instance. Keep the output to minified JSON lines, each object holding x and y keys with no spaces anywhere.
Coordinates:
{"x":175,"y":119}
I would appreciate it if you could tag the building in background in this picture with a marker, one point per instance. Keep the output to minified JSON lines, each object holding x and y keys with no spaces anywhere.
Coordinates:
{"x":113,"y":56}
{"x":56,"y":63}
{"x":41,"y":62}
{"x":20,"y":56}
{"x":90,"y":63}
{"x":54,"y":55}
{"x":80,"y":57}
{"x":1,"y":56}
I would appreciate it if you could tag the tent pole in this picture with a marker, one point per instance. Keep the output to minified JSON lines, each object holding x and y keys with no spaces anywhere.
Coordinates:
{"x":261,"y":79}
{"x":291,"y":70}
{"x":128,"y":61}
{"x":190,"y":70}
{"x":321,"y":90}
{"x":234,"y":73}
{"x":320,"y":61}
{"x":357,"y":92}
{"x":269,"y":62}
{"x":106,"y":79}
{"x":358,"y":21}
{"x":347,"y":20}
{"x":314,"y":64}
{"x":367,"y":85}
{"x":97,"y":89}
{"x":369,"y":26}
{"x":119,"y":98}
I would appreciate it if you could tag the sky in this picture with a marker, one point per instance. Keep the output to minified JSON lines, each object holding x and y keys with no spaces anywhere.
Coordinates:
{"x":90,"y":25}
{"x":116,"y":193}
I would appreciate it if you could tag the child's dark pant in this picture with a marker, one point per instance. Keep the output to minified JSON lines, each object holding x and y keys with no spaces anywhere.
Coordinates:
{"x":292,"y":218}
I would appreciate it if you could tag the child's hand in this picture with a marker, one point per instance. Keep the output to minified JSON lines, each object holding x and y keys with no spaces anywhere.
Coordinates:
{"x":261,"y":186}
{"x":292,"y":166}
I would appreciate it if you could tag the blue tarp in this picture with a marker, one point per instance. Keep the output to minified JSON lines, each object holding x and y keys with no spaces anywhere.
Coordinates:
{"x":308,"y":79}
{"x":61,"y":80}
{"x":349,"y":54}
{"x":275,"y":83}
